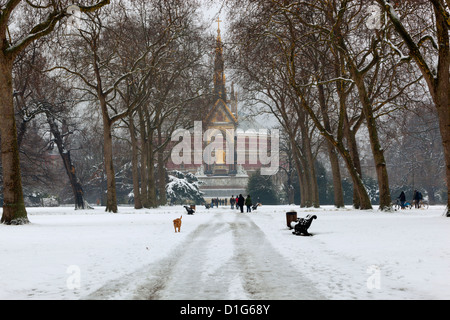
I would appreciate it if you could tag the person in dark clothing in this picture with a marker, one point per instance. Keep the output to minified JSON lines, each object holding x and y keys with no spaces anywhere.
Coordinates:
{"x":241,"y":201}
{"x":248,"y":203}
{"x":417,"y":197}
{"x":402,"y":199}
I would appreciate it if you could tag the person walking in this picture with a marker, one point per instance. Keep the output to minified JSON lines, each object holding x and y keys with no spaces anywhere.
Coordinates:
{"x":248,"y":203}
{"x":402,"y":199}
{"x":417,"y":197}
{"x":241,"y":201}
{"x":232,"y":201}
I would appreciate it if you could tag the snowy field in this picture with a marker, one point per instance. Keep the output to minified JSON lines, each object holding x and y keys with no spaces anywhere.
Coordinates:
{"x":223,"y":254}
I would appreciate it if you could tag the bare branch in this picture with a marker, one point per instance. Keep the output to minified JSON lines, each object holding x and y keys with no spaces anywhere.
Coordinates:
{"x":42,"y":29}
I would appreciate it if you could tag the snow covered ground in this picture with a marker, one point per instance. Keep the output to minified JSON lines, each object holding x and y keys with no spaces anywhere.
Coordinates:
{"x":223,"y":254}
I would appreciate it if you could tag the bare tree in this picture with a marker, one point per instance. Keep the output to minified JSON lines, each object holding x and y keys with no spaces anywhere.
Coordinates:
{"x":101,"y":76}
{"x":166,"y":98}
{"x":60,"y":138}
{"x":41,"y":21}
{"x":416,"y":155}
{"x":434,"y":62}
{"x":284,"y":48}
{"x":37,"y":94}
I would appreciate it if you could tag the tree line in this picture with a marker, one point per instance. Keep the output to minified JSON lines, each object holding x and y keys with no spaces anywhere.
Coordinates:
{"x":131,"y":72}
{"x":330,"y":69}
{"x":121,"y":70}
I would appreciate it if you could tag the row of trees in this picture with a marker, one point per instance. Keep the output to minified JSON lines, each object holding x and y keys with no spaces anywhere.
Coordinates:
{"x":133,"y":69}
{"x":130,"y":72}
{"x":330,"y":69}
{"x":21,"y":23}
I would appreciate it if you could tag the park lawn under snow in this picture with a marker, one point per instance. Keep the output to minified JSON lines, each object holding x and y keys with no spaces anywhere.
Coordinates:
{"x":352,"y":254}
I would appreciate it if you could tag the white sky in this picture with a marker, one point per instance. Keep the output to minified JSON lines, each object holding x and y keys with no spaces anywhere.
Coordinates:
{"x":212,"y":10}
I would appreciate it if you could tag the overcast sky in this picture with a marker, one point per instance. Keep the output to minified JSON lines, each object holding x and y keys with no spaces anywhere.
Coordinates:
{"x":212,"y":10}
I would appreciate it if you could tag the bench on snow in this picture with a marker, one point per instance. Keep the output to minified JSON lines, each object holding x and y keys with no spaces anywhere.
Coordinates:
{"x":302,"y":225}
{"x":189,"y":210}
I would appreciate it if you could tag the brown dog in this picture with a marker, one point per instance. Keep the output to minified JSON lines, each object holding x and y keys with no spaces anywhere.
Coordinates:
{"x":177,"y":223}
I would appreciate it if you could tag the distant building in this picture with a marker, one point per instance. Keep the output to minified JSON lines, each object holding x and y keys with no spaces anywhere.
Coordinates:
{"x":226,"y":170}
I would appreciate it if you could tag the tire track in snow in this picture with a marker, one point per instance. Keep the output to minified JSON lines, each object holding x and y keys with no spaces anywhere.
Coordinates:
{"x":266,"y":273}
{"x":226,"y":258}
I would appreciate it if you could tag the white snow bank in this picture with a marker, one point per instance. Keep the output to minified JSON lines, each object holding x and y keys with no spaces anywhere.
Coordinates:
{"x":68,"y":254}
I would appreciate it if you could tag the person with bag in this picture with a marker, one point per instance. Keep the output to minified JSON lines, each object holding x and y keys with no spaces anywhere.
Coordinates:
{"x":248,"y":203}
{"x":402,"y":199}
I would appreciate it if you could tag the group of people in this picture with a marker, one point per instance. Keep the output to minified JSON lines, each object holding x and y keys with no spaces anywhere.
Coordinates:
{"x":237,"y":202}
{"x":216,"y":202}
{"x":417,"y":197}
{"x":240,"y":201}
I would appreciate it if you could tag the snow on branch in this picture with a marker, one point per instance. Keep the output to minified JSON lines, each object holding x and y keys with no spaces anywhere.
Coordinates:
{"x":397,"y":50}
{"x":429,"y":38}
{"x":315,"y":83}
{"x":183,"y":187}
{"x":407,"y":38}
{"x":42,"y":29}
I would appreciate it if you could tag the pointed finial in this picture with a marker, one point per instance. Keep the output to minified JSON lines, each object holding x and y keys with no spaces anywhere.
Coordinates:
{"x":218,"y":24}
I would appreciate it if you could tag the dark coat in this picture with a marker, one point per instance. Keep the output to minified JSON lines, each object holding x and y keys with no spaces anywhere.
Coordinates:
{"x":248,"y":201}
{"x":417,"y":195}
{"x":241,"y":200}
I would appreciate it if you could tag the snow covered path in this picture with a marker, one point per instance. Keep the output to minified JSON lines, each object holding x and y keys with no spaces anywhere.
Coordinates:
{"x":221,"y":254}
{"x":205,"y":266}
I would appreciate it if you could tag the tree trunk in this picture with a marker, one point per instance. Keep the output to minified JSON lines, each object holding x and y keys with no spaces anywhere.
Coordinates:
{"x":144,"y":153}
{"x":296,"y":155}
{"x":377,"y":150}
{"x":358,"y":185}
{"x":441,"y":94}
{"x":362,"y":196}
{"x":14,"y":211}
{"x":443,"y":108}
{"x":151,"y":192}
{"x":161,"y":170}
{"x":161,"y":179}
{"x":304,"y":202}
{"x":77,"y":189}
{"x":361,"y":199}
{"x":338,"y":193}
{"x":354,"y":154}
{"x":306,"y":183}
{"x":290,"y":189}
{"x":334,"y":161}
{"x":345,"y":131}
{"x":311,"y":170}
{"x":111,"y":197}
{"x":134,"y":164}
{"x":338,"y":144}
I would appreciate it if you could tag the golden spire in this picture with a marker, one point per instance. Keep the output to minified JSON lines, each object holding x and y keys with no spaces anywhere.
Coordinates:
{"x":218,"y":24}
{"x":219,"y":39}
{"x":219,"y":75}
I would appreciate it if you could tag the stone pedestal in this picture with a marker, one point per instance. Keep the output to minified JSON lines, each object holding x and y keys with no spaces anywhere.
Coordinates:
{"x":222,"y":187}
